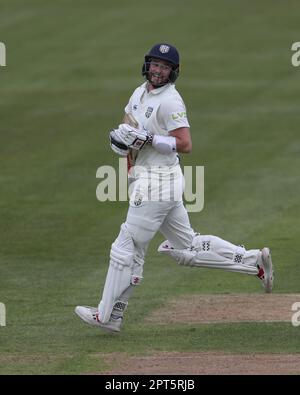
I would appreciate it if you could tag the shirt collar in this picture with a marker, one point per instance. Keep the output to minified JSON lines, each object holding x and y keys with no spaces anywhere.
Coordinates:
{"x":157,"y":90}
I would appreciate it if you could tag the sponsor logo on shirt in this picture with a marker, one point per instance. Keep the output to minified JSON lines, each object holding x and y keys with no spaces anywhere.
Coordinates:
{"x":176,"y":116}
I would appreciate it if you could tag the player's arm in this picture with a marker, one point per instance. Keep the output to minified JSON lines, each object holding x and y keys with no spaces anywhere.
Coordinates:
{"x":183,"y":140}
{"x":173,"y":118}
{"x":179,"y":140}
{"x":127,"y":136}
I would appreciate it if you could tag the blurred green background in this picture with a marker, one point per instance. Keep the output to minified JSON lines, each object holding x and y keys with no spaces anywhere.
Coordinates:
{"x":71,"y":67}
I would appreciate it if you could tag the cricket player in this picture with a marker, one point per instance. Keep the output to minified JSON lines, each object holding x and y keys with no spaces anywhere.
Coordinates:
{"x":154,"y":132}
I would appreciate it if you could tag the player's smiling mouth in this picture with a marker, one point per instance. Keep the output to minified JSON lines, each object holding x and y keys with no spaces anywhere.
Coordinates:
{"x":157,"y":77}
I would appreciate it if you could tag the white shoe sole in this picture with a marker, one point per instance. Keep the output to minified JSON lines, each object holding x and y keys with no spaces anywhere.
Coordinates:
{"x":268,"y":269}
{"x":81,"y":312}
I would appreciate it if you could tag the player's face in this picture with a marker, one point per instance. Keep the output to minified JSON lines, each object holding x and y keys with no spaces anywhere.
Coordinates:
{"x":159,"y":71}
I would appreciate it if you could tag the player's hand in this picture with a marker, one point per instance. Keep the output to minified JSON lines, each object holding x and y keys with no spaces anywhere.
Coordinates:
{"x":116,"y":144}
{"x":131,"y":137}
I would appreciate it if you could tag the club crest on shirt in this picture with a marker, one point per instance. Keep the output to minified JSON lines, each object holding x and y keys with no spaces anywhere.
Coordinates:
{"x":148,"y":112}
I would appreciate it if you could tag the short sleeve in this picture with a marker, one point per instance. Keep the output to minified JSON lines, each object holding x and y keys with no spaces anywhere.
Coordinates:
{"x":172,"y":114}
{"x":128,"y":106}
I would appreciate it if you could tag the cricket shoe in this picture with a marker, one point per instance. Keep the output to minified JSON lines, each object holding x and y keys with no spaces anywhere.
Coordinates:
{"x":265,"y":270}
{"x":90,"y":315}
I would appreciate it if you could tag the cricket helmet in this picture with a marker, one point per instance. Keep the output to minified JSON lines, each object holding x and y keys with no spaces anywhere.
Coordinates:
{"x":165,"y":52}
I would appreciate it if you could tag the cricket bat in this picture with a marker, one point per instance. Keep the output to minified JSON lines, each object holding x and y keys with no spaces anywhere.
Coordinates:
{"x":131,"y":157}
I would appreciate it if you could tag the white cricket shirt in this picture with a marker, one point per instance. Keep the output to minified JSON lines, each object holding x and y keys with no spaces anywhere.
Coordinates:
{"x":159,"y":111}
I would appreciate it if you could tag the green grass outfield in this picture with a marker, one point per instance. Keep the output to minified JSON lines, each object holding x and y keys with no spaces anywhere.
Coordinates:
{"x":71,"y":67}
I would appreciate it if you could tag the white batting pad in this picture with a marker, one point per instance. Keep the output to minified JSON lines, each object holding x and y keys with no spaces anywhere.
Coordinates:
{"x":119,"y":274}
{"x":214,"y":252}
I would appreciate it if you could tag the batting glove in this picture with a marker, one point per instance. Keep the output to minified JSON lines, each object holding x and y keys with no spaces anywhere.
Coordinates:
{"x":116,"y":144}
{"x":133,"y":138}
